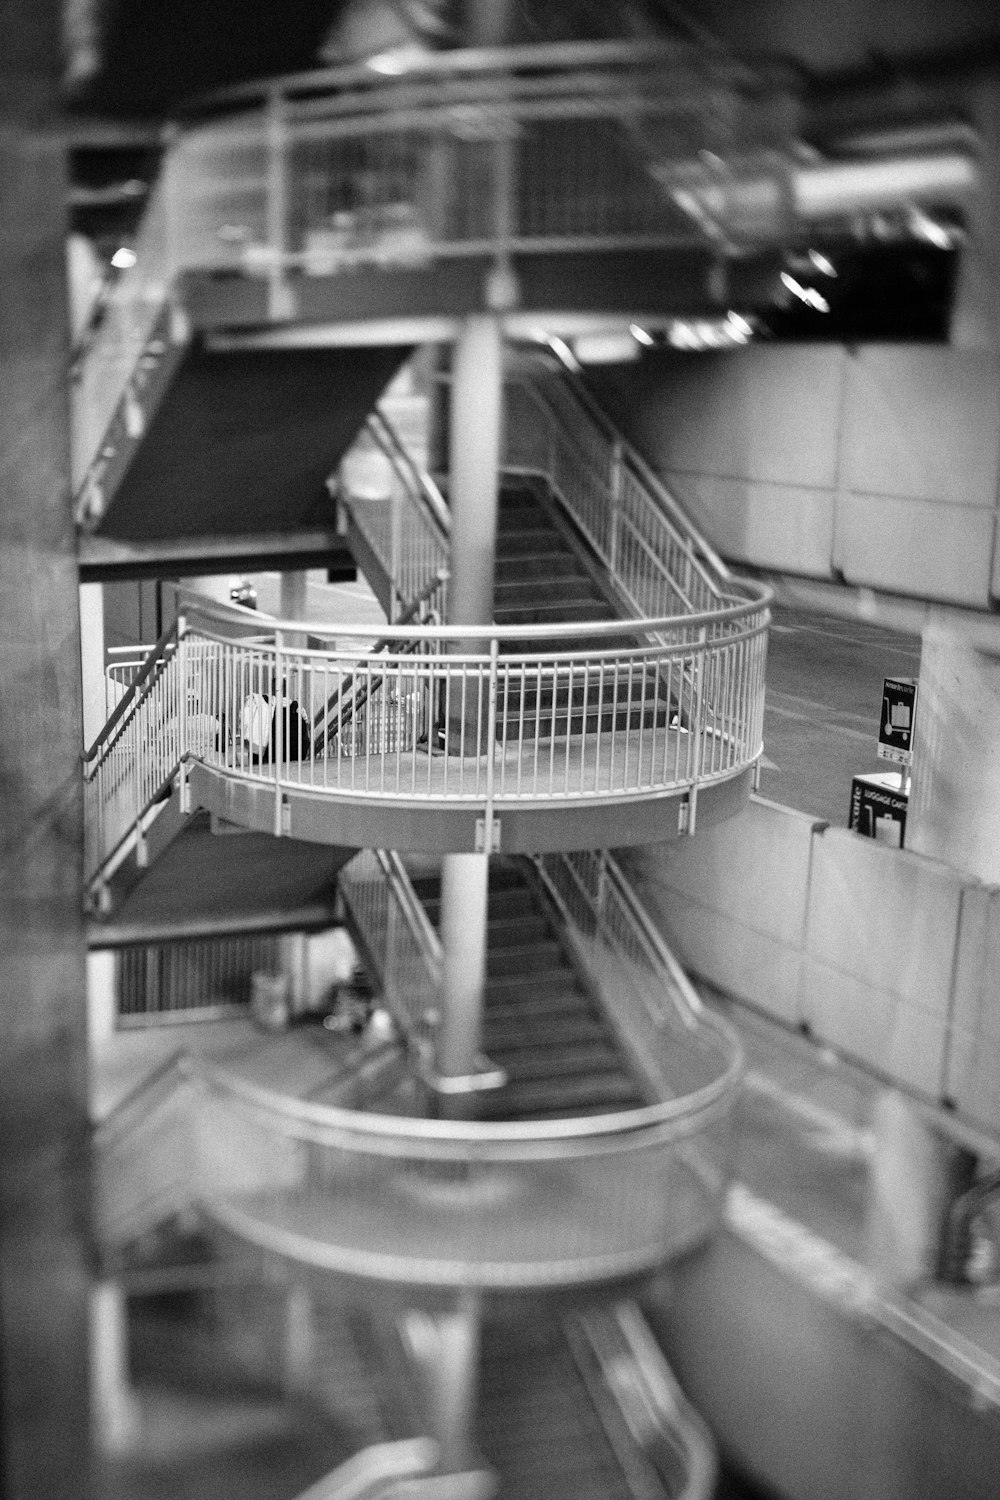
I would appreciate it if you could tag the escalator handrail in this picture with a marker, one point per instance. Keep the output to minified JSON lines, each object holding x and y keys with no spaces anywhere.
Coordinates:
{"x":376,"y":1470}
{"x":645,"y":1397}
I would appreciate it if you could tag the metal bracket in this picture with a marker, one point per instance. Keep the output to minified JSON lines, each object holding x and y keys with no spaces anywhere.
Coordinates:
{"x":494,"y":844}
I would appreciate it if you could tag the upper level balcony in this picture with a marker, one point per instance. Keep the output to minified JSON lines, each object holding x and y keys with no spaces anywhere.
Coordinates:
{"x":617,"y":698}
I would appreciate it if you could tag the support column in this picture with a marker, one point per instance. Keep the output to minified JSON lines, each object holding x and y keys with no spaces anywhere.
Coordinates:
{"x":464,"y":897}
{"x":456,"y":1382}
{"x":475,"y":429}
{"x":300,"y":1338}
{"x":115,"y":1416}
{"x":95,"y":710}
{"x":954,"y":811}
{"x":474,"y":439}
{"x":44,"y":1261}
{"x":444,"y":1348}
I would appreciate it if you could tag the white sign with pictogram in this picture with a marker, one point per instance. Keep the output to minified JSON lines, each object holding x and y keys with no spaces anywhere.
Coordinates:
{"x":895,"y":729}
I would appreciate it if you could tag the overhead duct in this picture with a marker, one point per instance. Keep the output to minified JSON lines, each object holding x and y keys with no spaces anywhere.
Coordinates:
{"x":759,"y":199}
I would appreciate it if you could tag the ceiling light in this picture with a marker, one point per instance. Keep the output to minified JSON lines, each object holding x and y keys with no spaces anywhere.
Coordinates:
{"x":806,"y":294}
{"x":822,"y":264}
{"x":396,"y":61}
{"x":739,"y":323}
{"x":605,"y":348}
{"x":641,"y":335}
{"x":929,"y":229}
{"x":124,"y":258}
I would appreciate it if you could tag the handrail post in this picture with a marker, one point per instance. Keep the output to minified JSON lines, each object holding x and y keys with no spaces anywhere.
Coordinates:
{"x":394,"y":594}
{"x":277,"y":730}
{"x":698,"y":734}
{"x":183,"y":790}
{"x":617,"y":476}
{"x":491,"y":731}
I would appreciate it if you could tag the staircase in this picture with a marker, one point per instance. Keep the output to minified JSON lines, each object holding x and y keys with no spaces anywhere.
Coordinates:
{"x":541,"y":576}
{"x":545,"y":577}
{"x":541,"y":1026}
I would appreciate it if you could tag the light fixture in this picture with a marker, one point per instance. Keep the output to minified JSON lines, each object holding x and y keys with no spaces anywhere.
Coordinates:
{"x":822,"y":263}
{"x":929,"y":229}
{"x":806,"y":294}
{"x":124,"y":258}
{"x":641,"y":335}
{"x":396,"y":61}
{"x":605,"y":348}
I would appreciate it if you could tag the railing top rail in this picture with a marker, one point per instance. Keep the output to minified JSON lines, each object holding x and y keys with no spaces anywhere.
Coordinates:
{"x":412,"y":908}
{"x":509,"y":1139}
{"x":730,"y":610}
{"x":388,"y":72}
{"x":124,"y":708}
{"x":654,"y":940}
{"x":434,"y":502}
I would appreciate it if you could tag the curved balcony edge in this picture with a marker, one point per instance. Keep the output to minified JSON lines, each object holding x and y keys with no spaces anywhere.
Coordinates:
{"x":356,"y":821}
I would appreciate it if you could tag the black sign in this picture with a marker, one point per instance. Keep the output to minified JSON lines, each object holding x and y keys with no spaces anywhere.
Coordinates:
{"x":895,"y":725}
{"x":878,"y":810}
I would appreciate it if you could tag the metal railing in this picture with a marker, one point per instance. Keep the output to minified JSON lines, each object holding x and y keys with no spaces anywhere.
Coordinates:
{"x":475,"y":154}
{"x":517,"y":724}
{"x":658,"y":562}
{"x":482,"y":153}
{"x":673,"y":1040}
{"x":431,"y":1202}
{"x":137,"y":323}
{"x":402,"y":947}
{"x":529,"y":717}
{"x":407,"y":530}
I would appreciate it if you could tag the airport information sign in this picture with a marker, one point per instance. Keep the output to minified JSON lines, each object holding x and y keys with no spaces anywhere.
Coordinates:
{"x":895,"y":728}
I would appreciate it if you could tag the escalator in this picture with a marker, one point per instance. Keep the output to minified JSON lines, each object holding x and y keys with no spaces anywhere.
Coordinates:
{"x":538,"y":1426}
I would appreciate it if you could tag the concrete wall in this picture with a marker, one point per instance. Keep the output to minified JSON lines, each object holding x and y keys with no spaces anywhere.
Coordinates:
{"x":890,"y":957}
{"x":881,"y":465}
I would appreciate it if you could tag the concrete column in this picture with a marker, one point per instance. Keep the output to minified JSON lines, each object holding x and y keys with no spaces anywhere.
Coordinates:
{"x":292,"y":595}
{"x":300,"y":1338}
{"x":44,"y":1262}
{"x":115,"y":1415}
{"x":455,"y":1386}
{"x":444,"y":1347}
{"x":95,"y":711}
{"x":475,"y":431}
{"x":464,"y":895}
{"x":292,"y":606}
{"x":954,"y":812}
{"x":102,"y":1016}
